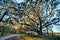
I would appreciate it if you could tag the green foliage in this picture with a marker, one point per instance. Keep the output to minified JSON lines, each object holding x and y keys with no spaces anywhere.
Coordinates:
{"x":3,"y":30}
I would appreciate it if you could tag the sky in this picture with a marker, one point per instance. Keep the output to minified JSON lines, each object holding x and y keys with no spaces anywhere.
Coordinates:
{"x":55,"y":28}
{"x":19,"y":1}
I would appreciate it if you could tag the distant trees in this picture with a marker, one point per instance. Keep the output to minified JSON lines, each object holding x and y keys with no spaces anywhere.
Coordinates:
{"x":35,"y":15}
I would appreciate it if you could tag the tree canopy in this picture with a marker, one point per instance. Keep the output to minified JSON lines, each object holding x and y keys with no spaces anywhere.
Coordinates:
{"x":35,"y":15}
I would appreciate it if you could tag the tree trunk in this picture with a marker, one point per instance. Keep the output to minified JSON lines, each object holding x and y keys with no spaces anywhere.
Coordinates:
{"x":41,"y":30}
{"x":47,"y":32}
{"x":2,"y":31}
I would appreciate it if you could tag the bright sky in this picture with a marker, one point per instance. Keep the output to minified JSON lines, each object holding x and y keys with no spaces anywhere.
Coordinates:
{"x":19,"y":1}
{"x":55,"y":28}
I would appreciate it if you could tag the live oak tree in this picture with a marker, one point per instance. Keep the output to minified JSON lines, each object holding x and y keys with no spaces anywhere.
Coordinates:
{"x":35,"y":15}
{"x":40,"y":15}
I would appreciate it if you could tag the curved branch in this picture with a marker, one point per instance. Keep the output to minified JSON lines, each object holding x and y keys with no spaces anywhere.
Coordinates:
{"x":31,"y":19}
{"x":4,"y":13}
{"x":50,"y":23}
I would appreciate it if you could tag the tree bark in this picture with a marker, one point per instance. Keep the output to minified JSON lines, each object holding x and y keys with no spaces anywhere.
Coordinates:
{"x":47,"y":30}
{"x":3,"y":30}
{"x":40,"y":30}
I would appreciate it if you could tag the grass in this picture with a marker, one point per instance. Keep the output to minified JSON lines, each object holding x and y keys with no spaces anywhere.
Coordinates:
{"x":33,"y":37}
{"x":29,"y":36}
{"x":24,"y":37}
{"x":54,"y":37}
